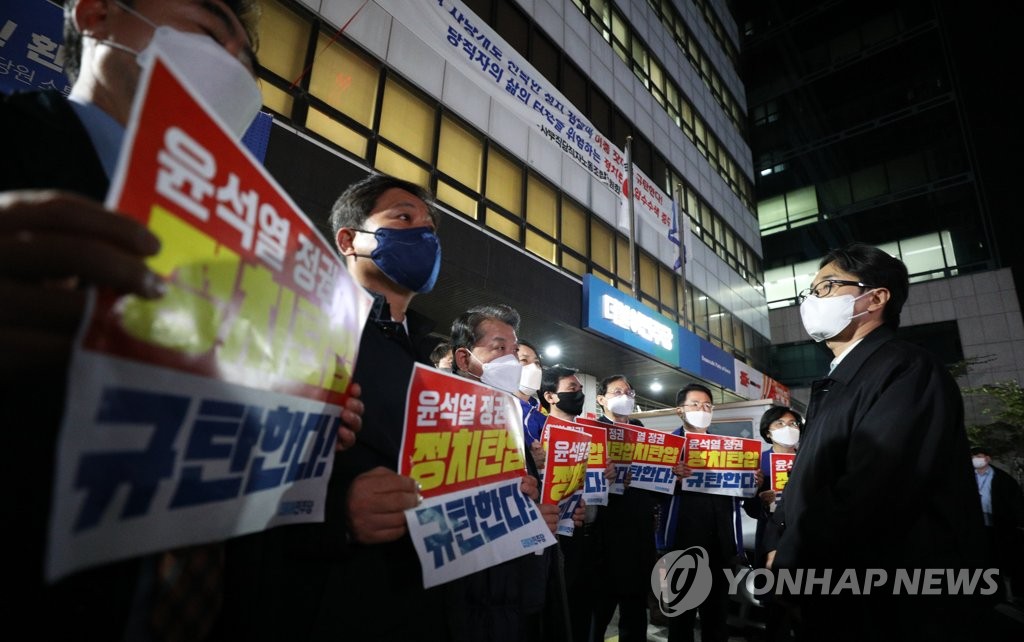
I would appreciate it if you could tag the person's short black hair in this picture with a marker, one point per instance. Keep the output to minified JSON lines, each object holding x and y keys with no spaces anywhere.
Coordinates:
{"x":524,"y":342}
{"x":877,"y":269}
{"x":681,"y":395}
{"x":602,"y":385}
{"x":772,"y":415}
{"x":354,"y":205}
{"x":439,"y":351}
{"x":550,"y":378}
{"x":466,"y":326}
{"x":247,"y":12}
{"x":981,"y":450}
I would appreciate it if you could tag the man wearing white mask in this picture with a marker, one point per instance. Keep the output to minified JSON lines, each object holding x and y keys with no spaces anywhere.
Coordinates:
{"x":622,"y":534}
{"x":882,"y":479}
{"x":701,"y":519}
{"x":56,"y":238}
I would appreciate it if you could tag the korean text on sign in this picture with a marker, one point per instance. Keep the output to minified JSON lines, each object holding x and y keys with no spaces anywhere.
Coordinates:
{"x":722,"y":465}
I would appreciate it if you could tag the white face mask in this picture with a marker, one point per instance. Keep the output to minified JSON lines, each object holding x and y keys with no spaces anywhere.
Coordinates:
{"x":827,"y":317}
{"x":621,"y":405}
{"x":504,"y":373}
{"x":979,"y":462}
{"x":529,"y":382}
{"x":698,"y":418}
{"x":787,"y":437}
{"x":220,"y":81}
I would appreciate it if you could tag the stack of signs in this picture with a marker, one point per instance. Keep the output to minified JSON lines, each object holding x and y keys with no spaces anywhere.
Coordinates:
{"x":621,"y":440}
{"x":463,"y":443}
{"x":567,"y":453}
{"x":212,"y":411}
{"x":722,"y":465}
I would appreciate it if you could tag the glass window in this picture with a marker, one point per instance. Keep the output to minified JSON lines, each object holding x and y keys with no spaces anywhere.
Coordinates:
{"x":344,"y":80}
{"x":574,"y":227}
{"x":602,"y":245}
{"x":623,"y":269}
{"x":573,"y":264}
{"x":460,"y":201}
{"x":801,"y":204}
{"x":868,"y":183}
{"x":541,"y":205}
{"x":503,"y":225}
{"x":504,"y":182}
{"x":407,"y":120}
{"x":922,"y":253}
{"x":276,"y":99}
{"x":542,"y":247}
{"x":335,"y":132}
{"x":391,"y":162}
{"x":460,"y":154}
{"x":284,"y":38}
{"x":648,"y":275}
{"x":779,"y":284}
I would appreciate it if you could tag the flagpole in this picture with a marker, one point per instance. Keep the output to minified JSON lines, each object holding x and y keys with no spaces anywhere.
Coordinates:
{"x":681,"y":232}
{"x":632,"y":219}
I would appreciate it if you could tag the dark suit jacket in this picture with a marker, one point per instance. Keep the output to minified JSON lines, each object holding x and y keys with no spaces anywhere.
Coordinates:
{"x":46,"y":147}
{"x":883,"y":477}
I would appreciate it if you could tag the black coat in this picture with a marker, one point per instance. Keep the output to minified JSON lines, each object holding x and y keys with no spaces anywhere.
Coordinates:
{"x":46,"y":147}
{"x":883,"y":476}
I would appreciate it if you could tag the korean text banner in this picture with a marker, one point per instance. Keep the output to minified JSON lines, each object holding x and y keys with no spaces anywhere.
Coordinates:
{"x":595,"y":485}
{"x":471,"y":45}
{"x":654,"y":455}
{"x":780,"y":464}
{"x":463,"y":442}
{"x":212,"y":411}
{"x":621,"y":441}
{"x":722,"y":465}
{"x":565,"y":465}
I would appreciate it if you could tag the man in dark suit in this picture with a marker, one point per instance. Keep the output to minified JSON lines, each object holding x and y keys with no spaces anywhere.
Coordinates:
{"x":881,"y":480}
{"x":1002,"y":505}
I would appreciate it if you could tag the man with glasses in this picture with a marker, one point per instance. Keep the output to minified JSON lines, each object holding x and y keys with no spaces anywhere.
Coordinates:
{"x":623,"y":534}
{"x":701,"y":519}
{"x":882,"y":479}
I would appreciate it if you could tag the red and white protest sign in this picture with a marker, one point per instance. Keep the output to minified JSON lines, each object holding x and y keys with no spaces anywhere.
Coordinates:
{"x":722,"y":465}
{"x":780,"y":464}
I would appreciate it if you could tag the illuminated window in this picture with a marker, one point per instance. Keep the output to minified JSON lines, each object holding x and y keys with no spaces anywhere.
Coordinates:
{"x":648,"y":275}
{"x":573,"y":264}
{"x":460,"y":154}
{"x":283,"y":38}
{"x":504,"y":182}
{"x":337,"y":133}
{"x":602,"y":245}
{"x":407,"y":121}
{"x":542,"y":247}
{"x":274,"y":98}
{"x":345,"y":80}
{"x":541,"y":205}
{"x":623,"y":268}
{"x":457,"y":199}
{"x":574,"y":227}
{"x":503,"y":225}
{"x":391,"y":162}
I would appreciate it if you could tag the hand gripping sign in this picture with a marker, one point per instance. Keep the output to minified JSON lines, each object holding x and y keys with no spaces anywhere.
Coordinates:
{"x":463,"y":443}
{"x":565,"y":467}
{"x":780,"y":464}
{"x":722,"y":465}
{"x":212,"y":411}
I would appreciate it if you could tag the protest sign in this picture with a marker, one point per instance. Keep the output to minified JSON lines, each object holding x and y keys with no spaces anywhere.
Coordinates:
{"x":722,"y":465}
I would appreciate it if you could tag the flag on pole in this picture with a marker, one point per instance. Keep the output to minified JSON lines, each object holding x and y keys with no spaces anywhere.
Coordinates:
{"x":675,"y":235}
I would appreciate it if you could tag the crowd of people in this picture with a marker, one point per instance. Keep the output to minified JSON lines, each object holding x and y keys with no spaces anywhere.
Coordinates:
{"x":883,"y":478}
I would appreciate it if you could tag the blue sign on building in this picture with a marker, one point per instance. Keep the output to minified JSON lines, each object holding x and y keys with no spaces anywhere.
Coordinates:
{"x":717,"y":365}
{"x":622,"y":318}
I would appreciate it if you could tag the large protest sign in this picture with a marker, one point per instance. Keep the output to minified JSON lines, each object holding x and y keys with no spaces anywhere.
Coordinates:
{"x":213,"y":410}
{"x":595,"y":485}
{"x":722,"y":465}
{"x":655,"y":453}
{"x":565,"y":465}
{"x":621,"y":441}
{"x":463,"y":443}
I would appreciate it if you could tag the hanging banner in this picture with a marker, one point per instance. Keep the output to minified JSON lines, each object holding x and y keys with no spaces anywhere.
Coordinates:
{"x":212,"y":411}
{"x":467,"y":42}
{"x":463,"y":443}
{"x":568,"y":450}
{"x":722,"y":465}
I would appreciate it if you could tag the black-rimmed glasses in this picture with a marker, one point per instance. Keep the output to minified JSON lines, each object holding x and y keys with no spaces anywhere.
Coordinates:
{"x":824,"y":288}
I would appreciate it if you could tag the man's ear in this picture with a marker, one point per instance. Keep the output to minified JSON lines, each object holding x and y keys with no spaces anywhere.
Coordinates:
{"x":461,"y":359}
{"x":344,"y":240}
{"x":90,"y":17}
{"x":553,"y":394}
{"x":878,"y":298}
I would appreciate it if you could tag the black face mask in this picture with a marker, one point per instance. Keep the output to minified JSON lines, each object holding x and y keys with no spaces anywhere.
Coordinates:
{"x":571,"y":403}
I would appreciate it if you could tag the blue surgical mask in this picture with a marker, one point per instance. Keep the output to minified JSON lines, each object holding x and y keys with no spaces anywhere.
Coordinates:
{"x":410,"y":257}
